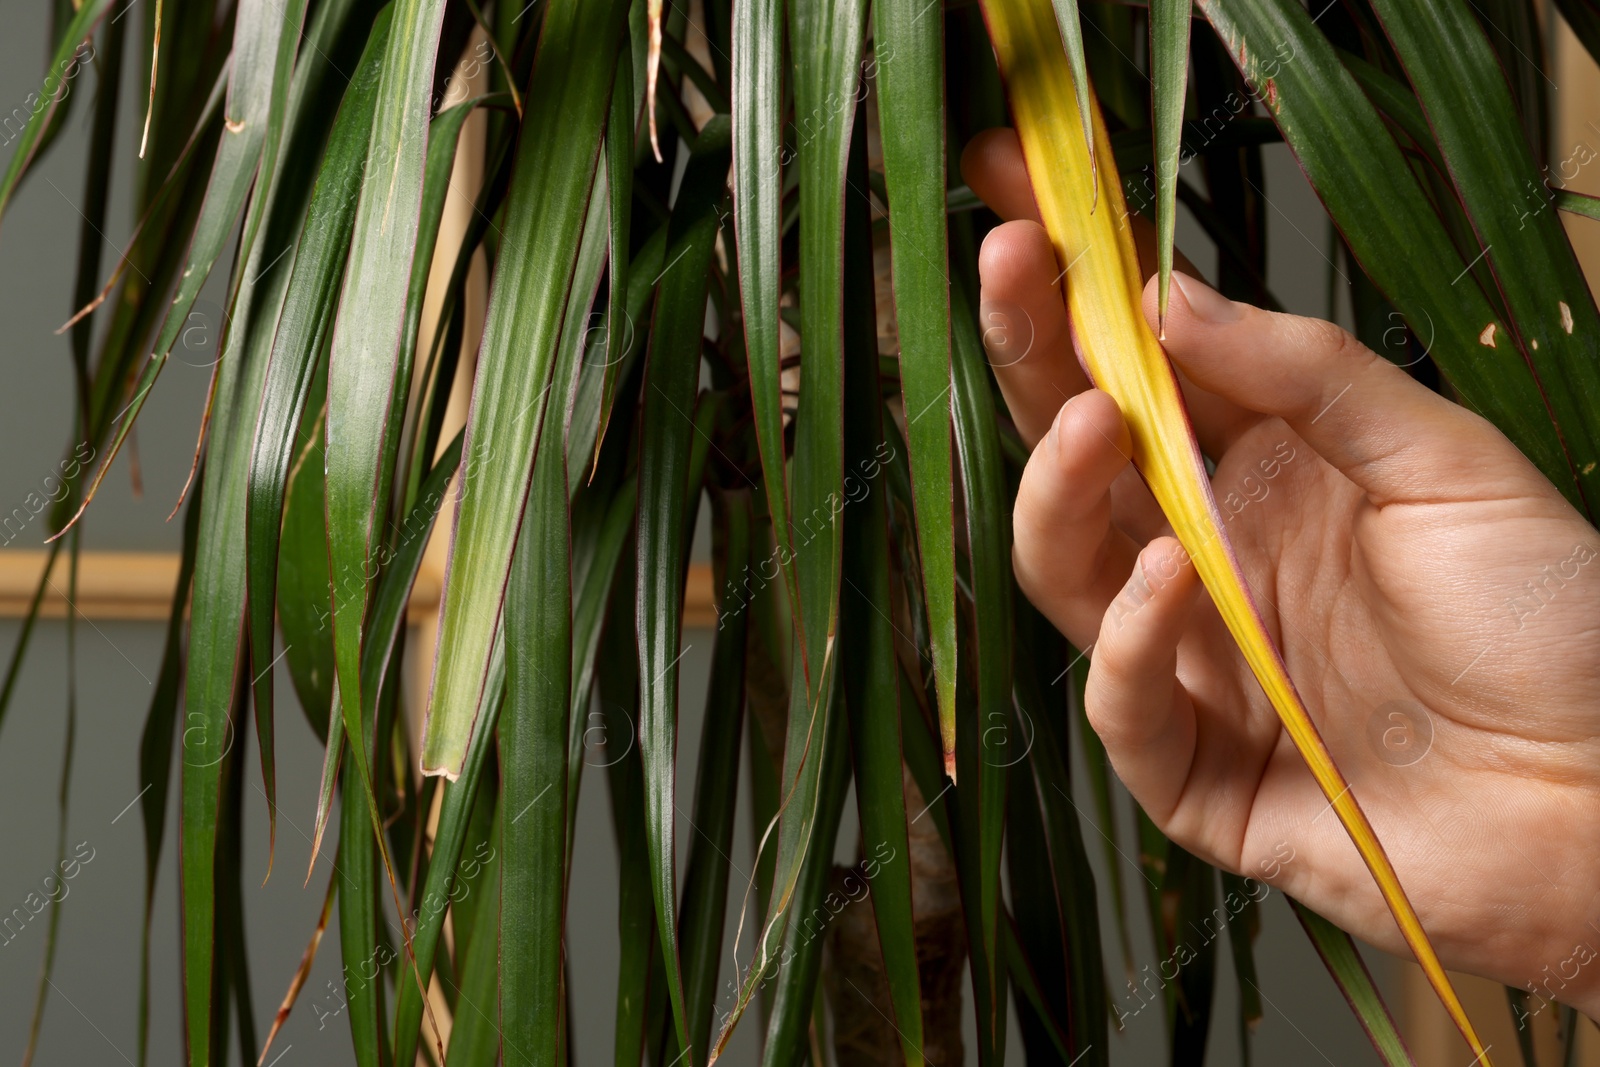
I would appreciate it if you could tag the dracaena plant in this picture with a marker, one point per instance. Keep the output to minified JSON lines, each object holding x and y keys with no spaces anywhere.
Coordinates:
{"x":707,"y":281}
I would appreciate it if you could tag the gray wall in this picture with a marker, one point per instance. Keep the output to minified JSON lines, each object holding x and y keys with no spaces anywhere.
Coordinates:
{"x":91,"y":1011}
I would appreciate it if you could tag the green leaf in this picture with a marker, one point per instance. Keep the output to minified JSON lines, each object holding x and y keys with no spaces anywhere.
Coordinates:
{"x":533,"y":761}
{"x":155,"y":753}
{"x":444,"y":134}
{"x":1244,"y":923}
{"x":475,"y":1031}
{"x":799,"y":961}
{"x":1046,"y":788}
{"x":387,"y":617}
{"x":360,"y":913}
{"x":574,"y":371}
{"x":1344,"y":963}
{"x":793,"y":995}
{"x":364,"y":369}
{"x":1516,"y":34}
{"x":1554,"y":322}
{"x":1169,"y":82}
{"x":285,"y":42}
{"x":219,"y":582}
{"x":559,"y":142}
{"x":758,"y":160}
{"x":705,"y":884}
{"x":869,"y":673}
{"x":479,"y":846}
{"x":602,"y":535}
{"x":1384,"y":215}
{"x":909,"y":42}
{"x":303,"y":579}
{"x":666,"y":437}
{"x":455,"y":810}
{"x":988,"y":511}
{"x":444,"y":356}
{"x":538,"y":755}
{"x":247,"y":114}
{"x":1071,"y":27}
{"x":1395,"y":100}
{"x":618,"y":693}
{"x":1578,"y":203}
{"x":620,"y":124}
{"x":826,"y":39}
{"x":234,"y":966}
{"x":50,"y":94}
{"x":1038,"y":1024}
{"x":303,"y":324}
{"x":1189,"y":894}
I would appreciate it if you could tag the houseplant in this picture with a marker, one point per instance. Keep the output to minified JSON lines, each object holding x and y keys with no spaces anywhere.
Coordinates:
{"x":877,"y":628}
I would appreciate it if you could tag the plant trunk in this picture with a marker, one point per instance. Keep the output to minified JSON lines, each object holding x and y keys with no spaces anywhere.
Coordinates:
{"x":853,"y":974}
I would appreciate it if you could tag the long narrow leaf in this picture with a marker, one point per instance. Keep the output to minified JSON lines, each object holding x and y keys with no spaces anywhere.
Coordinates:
{"x":909,"y":40}
{"x":826,"y":37}
{"x":360,"y":913}
{"x":1069,"y":23}
{"x":988,"y":513}
{"x":533,"y":762}
{"x":620,"y":120}
{"x":870,"y":676}
{"x":155,"y":753}
{"x":44,"y":103}
{"x":705,"y":884}
{"x":302,"y":328}
{"x":757,"y":219}
{"x":1169,"y":68}
{"x":475,"y":1035}
{"x":363,"y":366}
{"x":449,"y":836}
{"x":618,"y":692}
{"x":1048,"y":785}
{"x":219,"y":580}
{"x":666,"y":437}
{"x":1344,"y":962}
{"x":799,"y":962}
{"x":258,"y":26}
{"x":559,"y":143}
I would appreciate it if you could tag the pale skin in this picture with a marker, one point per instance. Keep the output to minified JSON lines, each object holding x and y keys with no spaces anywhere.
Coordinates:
{"x":1391,"y":557}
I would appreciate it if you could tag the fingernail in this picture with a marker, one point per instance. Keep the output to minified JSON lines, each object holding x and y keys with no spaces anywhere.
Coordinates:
{"x":1052,"y":436}
{"x":1207,"y":304}
{"x":1056,"y":426}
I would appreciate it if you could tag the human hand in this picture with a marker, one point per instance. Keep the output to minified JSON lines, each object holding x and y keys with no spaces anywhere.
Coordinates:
{"x":1436,"y":600}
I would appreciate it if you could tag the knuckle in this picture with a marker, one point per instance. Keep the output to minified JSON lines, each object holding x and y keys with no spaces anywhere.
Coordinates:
{"x":1329,"y":340}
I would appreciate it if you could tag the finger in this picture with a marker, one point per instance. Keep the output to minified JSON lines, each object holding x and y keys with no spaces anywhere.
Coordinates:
{"x":1024,"y":324}
{"x":1068,"y":557}
{"x":1393,"y":437}
{"x":992,"y":167}
{"x":1133,"y":699}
